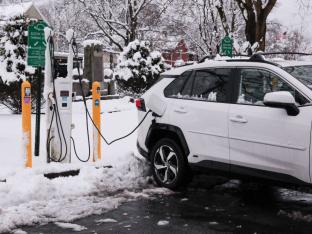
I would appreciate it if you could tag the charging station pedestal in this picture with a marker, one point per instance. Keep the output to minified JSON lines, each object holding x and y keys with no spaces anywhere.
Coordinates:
{"x":62,"y":123}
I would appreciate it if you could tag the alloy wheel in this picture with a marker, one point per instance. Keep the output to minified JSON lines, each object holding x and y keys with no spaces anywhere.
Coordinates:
{"x":166,"y":164}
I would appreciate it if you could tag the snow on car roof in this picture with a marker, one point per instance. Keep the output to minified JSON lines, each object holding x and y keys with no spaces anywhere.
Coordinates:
{"x":212,"y":64}
{"x":225,"y":63}
{"x":207,"y":63}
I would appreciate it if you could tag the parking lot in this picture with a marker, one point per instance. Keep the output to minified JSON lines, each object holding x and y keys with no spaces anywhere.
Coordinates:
{"x":229,"y":208}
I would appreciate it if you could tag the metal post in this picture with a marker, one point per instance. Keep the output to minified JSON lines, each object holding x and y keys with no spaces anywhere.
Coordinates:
{"x":26,"y":122}
{"x":38,"y":112}
{"x":96,"y":108}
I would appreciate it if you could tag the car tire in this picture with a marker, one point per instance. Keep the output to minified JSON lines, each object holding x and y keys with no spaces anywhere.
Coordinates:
{"x":169,"y":164}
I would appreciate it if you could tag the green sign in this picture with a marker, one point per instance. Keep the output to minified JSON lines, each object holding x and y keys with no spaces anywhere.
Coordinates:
{"x":227,"y":46}
{"x":36,"y":44}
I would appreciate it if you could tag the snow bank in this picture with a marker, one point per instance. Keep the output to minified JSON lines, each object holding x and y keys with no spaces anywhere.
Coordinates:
{"x":29,"y":198}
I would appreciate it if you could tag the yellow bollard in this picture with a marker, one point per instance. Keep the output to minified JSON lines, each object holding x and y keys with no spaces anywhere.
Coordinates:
{"x":26,"y":122}
{"x":96,"y":108}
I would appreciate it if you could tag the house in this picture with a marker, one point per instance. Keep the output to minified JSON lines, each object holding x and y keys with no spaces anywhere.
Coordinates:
{"x":13,"y":8}
{"x":178,"y":54}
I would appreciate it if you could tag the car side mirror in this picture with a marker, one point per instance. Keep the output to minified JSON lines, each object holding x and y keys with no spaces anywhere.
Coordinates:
{"x":282,"y":99}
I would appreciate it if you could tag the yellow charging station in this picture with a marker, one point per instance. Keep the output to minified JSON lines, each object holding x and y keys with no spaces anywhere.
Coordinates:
{"x":96,"y":109}
{"x":26,"y":122}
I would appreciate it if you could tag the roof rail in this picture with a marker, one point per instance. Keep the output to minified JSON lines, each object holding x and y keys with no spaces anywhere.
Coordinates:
{"x":250,"y":61}
{"x":256,"y":57}
{"x":214,"y":56}
{"x":284,"y":53}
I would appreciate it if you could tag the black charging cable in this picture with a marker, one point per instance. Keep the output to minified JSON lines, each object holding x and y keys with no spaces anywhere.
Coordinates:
{"x":75,"y":50}
{"x":56,"y":114}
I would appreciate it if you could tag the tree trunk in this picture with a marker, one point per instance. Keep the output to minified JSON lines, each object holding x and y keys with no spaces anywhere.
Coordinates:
{"x":255,"y":16}
{"x":261,"y":35}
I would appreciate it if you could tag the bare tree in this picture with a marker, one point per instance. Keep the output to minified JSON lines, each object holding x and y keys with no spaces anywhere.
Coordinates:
{"x":119,"y":22}
{"x":255,"y":14}
{"x":209,"y":21}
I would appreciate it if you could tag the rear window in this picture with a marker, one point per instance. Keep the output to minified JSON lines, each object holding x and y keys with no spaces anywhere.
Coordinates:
{"x":175,"y":87}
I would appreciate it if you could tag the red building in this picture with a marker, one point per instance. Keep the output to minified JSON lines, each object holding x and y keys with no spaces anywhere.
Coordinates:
{"x":180,"y":55}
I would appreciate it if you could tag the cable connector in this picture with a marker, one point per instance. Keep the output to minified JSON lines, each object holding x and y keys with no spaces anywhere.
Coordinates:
{"x":51,"y":98}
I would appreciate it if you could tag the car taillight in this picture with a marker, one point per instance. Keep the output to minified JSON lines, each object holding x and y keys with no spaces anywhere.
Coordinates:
{"x":140,"y":104}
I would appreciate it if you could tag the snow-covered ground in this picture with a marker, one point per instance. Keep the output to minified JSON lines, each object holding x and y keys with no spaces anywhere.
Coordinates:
{"x":28,"y":198}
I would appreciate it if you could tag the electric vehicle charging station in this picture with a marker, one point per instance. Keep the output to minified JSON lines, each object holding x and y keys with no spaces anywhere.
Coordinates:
{"x":58,"y":92}
{"x":63,"y":91}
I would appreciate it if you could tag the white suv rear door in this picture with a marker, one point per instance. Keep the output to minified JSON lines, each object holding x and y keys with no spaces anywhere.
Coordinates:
{"x":267,"y":138}
{"x":200,"y":109}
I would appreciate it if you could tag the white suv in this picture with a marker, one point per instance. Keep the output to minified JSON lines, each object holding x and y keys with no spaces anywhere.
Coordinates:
{"x":247,"y":118}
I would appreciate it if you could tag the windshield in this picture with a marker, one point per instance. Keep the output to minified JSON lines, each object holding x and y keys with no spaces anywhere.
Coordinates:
{"x":302,"y":73}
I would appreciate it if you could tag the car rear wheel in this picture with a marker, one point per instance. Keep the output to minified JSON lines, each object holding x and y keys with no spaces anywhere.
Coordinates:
{"x":168,"y":164}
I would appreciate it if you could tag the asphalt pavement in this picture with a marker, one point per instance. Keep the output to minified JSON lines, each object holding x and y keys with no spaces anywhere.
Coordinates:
{"x":201,"y":208}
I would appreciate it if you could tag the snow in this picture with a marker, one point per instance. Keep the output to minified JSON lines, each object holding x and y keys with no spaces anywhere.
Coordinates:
{"x":19,"y":231}
{"x":10,"y":73}
{"x":76,"y":73}
{"x":296,"y":215}
{"x":69,"y":35}
{"x":7,"y":11}
{"x":212,"y":97}
{"x":162,"y":223}
{"x":140,"y":64}
{"x":87,"y":43}
{"x":179,"y":63}
{"x":28,"y":198}
{"x":213,"y":223}
{"x":108,"y":220}
{"x":74,"y":227}
{"x":108,"y":72}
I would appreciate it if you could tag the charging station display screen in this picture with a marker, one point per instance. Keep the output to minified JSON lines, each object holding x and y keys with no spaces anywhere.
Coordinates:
{"x":64,"y":93}
{"x":65,"y":97}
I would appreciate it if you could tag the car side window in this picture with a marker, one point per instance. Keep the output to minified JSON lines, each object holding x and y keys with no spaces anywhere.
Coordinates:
{"x":211,"y":85}
{"x":255,"y":83}
{"x":175,"y":87}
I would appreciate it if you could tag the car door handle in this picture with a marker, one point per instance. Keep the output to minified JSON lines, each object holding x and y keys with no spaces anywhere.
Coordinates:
{"x":239,"y":119}
{"x":181,"y":110}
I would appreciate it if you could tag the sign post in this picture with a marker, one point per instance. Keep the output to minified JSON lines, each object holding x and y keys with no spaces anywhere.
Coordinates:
{"x":36,"y":58}
{"x":227,"y":46}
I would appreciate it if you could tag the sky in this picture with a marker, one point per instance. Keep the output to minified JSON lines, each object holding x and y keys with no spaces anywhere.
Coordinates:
{"x":291,"y":16}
